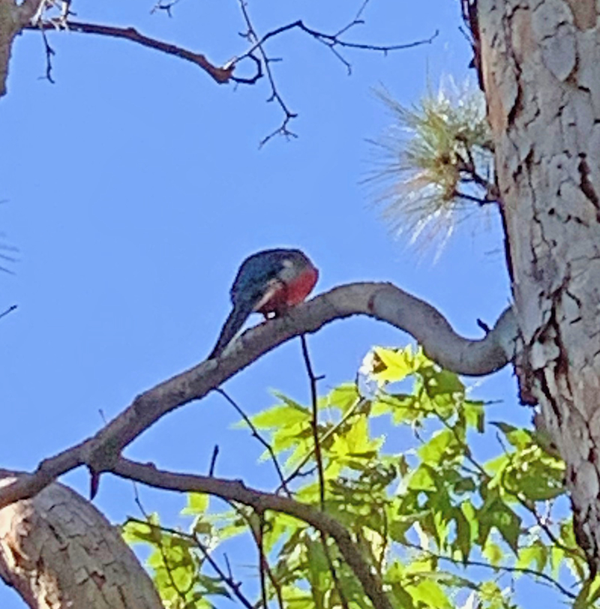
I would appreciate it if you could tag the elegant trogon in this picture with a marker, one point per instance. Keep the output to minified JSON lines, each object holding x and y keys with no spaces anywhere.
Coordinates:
{"x":270,"y":281}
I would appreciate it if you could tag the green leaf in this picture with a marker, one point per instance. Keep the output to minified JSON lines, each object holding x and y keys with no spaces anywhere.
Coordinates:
{"x":343,"y":397}
{"x":430,"y":594}
{"x":474,"y":414}
{"x":213,"y":586}
{"x":517,"y":436}
{"x":392,"y":365}
{"x":137,"y":532}
{"x":283,"y":415}
{"x":442,"y":446}
{"x":424,"y":478}
{"x":536,"y":554}
{"x":134,"y":531}
{"x":493,"y":552}
{"x":588,"y":595}
{"x":197,"y":503}
{"x":438,"y":381}
{"x":495,"y":513}
{"x":464,"y":535}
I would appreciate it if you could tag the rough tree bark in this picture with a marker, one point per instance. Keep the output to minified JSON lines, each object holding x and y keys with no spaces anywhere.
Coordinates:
{"x":57,"y":550}
{"x":540,"y":68}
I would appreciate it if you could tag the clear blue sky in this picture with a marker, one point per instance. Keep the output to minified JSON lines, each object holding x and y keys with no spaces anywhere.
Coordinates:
{"x":134,"y":187}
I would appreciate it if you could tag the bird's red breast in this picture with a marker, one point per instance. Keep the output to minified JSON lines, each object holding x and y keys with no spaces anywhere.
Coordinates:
{"x":288,"y":294}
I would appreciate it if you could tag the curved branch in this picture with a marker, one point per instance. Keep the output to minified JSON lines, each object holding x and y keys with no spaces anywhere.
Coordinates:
{"x":233,"y":490}
{"x":381,"y":301}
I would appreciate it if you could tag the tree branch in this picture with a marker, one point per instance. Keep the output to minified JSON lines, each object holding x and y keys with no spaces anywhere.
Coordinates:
{"x":382,"y":301}
{"x":333,"y":40}
{"x":220,"y":75}
{"x":9,"y":310}
{"x":232,"y":490}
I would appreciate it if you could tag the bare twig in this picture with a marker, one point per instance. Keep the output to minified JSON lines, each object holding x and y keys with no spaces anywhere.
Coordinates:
{"x":213,"y":460}
{"x":164,"y":5}
{"x":263,"y":563}
{"x":315,"y":419}
{"x":219,"y":74}
{"x":332,"y":40}
{"x":50,"y":52}
{"x":8,"y":259}
{"x":319,"y":459}
{"x":256,"y":434}
{"x":266,"y":61}
{"x":7,"y":311}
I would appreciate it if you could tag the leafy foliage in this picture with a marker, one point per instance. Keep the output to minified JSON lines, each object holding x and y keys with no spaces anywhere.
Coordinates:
{"x":440,"y":526}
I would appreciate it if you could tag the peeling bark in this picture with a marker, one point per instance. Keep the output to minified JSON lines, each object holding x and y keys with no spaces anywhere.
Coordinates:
{"x":541,"y":75}
{"x":57,"y":550}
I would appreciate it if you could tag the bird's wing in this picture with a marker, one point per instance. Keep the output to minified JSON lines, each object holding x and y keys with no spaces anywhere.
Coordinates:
{"x":254,"y":282}
{"x":240,"y":312}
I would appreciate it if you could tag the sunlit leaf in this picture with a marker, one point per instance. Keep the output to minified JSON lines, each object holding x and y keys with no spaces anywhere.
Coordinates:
{"x":197,"y":503}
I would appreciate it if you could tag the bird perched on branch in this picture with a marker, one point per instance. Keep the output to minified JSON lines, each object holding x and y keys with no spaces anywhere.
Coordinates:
{"x":270,"y":281}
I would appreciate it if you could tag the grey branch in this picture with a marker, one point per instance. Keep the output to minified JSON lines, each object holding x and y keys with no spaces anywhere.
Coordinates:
{"x":381,"y":301}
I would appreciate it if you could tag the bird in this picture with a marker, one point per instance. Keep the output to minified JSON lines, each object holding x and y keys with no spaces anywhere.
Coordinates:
{"x":270,"y":281}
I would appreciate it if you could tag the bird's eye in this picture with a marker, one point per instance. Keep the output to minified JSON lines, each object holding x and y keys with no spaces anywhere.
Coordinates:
{"x":287,"y":263}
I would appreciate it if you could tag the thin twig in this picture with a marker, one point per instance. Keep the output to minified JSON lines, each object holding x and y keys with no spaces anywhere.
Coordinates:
{"x":257,"y":435}
{"x":161,"y":548}
{"x":262,"y":559}
{"x":50,"y":52}
{"x":161,"y":5}
{"x":332,"y":40}
{"x":315,"y":419}
{"x":227,"y":579}
{"x":275,"y":96}
{"x":9,"y":310}
{"x":213,"y":460}
{"x":495,"y":567}
{"x":255,"y":537}
{"x":319,"y":459}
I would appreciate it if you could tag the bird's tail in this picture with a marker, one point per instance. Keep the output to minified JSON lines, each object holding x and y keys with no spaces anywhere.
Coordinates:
{"x":234,"y":322}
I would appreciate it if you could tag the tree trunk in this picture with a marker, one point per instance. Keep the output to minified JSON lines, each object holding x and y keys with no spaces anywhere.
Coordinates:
{"x":540,"y":68}
{"x":57,"y":550}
